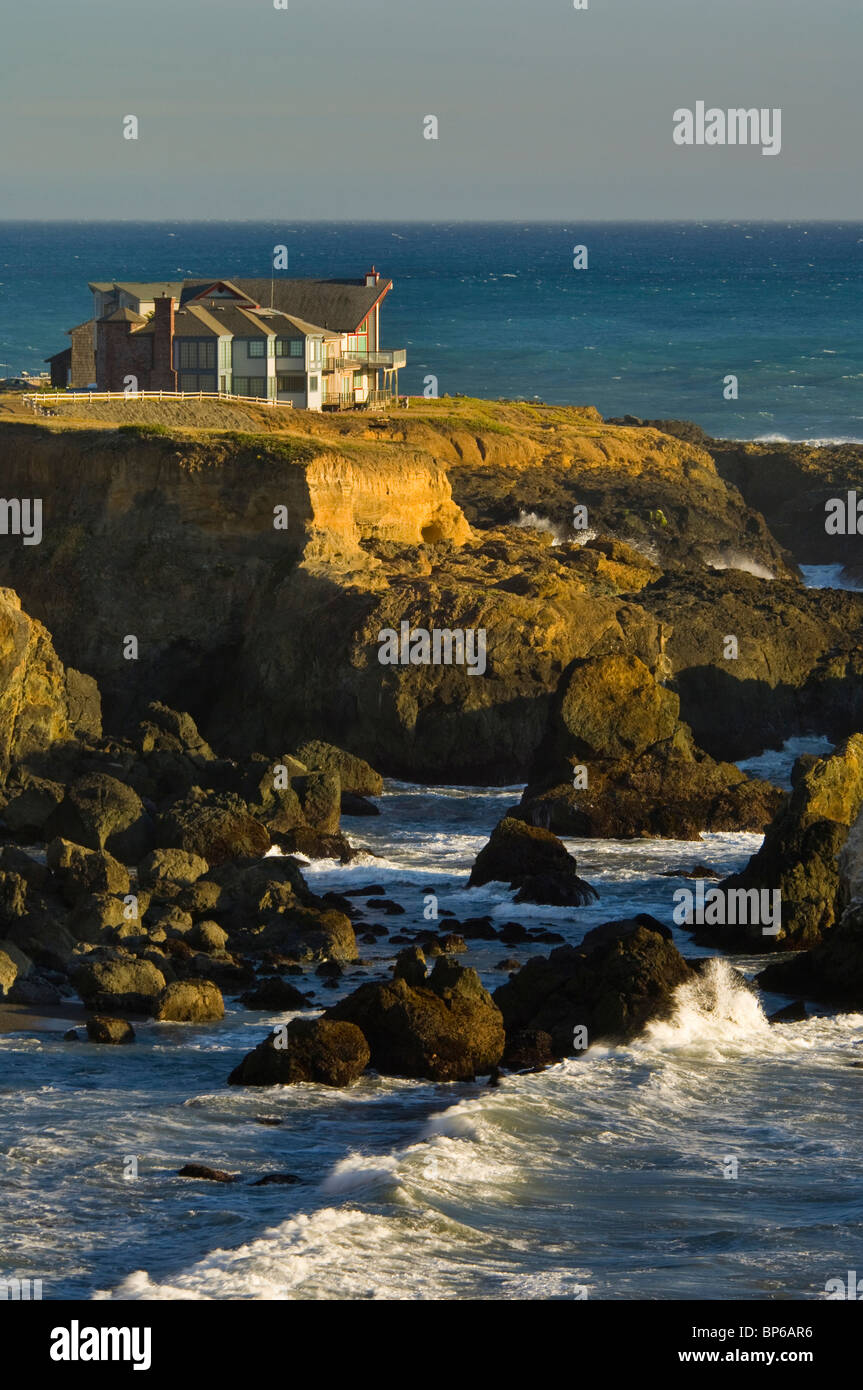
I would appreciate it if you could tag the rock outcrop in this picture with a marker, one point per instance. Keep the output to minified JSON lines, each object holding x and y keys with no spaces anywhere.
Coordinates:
{"x":534,"y":862}
{"x":331,"y":1053}
{"x":622,"y":977}
{"x":799,"y":856}
{"x":42,"y":703}
{"x":444,"y":1029}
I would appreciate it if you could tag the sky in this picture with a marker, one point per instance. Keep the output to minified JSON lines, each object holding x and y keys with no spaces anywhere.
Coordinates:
{"x":318,"y":110}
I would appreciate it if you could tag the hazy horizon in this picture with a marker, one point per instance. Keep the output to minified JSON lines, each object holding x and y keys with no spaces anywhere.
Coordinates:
{"x":316,"y":112}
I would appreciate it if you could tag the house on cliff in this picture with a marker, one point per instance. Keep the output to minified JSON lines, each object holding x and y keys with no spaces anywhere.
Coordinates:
{"x":313,"y":343}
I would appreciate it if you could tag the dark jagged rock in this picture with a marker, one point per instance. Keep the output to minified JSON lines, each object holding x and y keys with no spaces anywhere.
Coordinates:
{"x":79,"y":871}
{"x":447,"y":1029}
{"x":410,"y":966}
{"x":323,"y":1050}
{"x":618,"y":762}
{"x":274,"y":995}
{"x":792,"y":1013}
{"x":622,"y":976}
{"x":109,"y":1030}
{"x":200,"y":1170}
{"x":531,"y":1049}
{"x":216,"y":828}
{"x":353,"y":805}
{"x":171,"y":866}
{"x":356,"y":776}
{"x":533,"y":861}
{"x":99,"y":812}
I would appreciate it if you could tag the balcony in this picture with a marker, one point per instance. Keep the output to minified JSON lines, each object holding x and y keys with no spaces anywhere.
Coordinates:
{"x":389,"y":359}
{"x":348,"y":400}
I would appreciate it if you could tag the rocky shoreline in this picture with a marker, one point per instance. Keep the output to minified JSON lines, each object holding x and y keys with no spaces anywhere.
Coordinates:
{"x":150,"y":871}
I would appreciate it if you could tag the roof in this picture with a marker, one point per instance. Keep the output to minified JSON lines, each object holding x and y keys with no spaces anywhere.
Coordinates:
{"x":194,"y":322}
{"x":64,"y":352}
{"x":141,"y":289}
{"x":317,"y":306}
{"x":88,"y":323}
{"x":338,"y":306}
{"x":123,"y":316}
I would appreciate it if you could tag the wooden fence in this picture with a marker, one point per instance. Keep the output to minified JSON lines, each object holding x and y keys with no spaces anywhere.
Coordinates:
{"x":44,"y":397}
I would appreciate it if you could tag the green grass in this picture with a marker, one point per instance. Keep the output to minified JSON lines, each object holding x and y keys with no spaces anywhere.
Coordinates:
{"x":142,"y":431}
{"x":270,"y":446}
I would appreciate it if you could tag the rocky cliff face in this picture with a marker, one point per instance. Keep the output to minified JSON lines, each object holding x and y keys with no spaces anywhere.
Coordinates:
{"x":41,"y":702}
{"x":447,"y":517}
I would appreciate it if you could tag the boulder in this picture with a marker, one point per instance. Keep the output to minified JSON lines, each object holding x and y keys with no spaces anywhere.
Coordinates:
{"x":79,"y":871}
{"x":208,"y":936}
{"x":353,"y":805}
{"x":206,"y":1174}
{"x":190,"y":1001}
{"x":533,"y":861}
{"x":102,"y":813}
{"x":319,"y":794}
{"x":27,"y":810}
{"x":101,"y":1029}
{"x":613,"y":707}
{"x":321,"y":1050}
{"x":308,"y":934}
{"x":410,"y":966}
{"x":447,"y":1029}
{"x":14,"y":965}
{"x":216,"y":828}
{"x":275,"y":995}
{"x":44,"y":938}
{"x":172,"y":731}
{"x":355,"y":774}
{"x":116,"y":983}
{"x":96,"y":914}
{"x":173,"y":866}
{"x":622,"y":976}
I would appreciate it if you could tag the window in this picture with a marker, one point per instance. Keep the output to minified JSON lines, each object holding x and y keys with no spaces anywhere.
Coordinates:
{"x":250,"y":385}
{"x":189,"y":381}
{"x":290,"y":347}
{"x":196,"y":354}
{"x":224,"y":354}
{"x":313,"y":383}
{"x":258,"y":347}
{"x":358,"y":380}
{"x":291,"y":385}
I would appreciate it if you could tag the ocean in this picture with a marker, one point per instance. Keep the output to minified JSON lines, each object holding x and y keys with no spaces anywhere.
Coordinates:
{"x":654,"y":325}
{"x":606,"y":1177}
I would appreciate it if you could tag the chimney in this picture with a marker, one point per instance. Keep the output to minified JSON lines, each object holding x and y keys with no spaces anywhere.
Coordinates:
{"x":163,"y":377}
{"x":372,"y":277}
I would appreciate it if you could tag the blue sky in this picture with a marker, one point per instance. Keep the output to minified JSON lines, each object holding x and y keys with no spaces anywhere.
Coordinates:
{"x":317,"y":111}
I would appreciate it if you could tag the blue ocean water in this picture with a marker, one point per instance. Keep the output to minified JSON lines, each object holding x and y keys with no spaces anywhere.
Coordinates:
{"x":661,"y":316}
